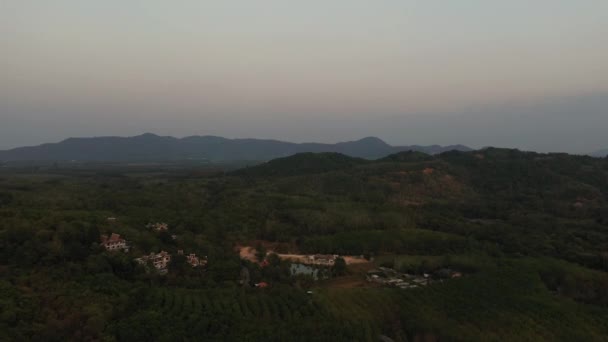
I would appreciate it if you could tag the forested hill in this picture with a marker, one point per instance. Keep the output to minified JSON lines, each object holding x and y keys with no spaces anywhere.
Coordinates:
{"x":151,"y":147}
{"x":302,"y":164}
{"x":535,"y":204}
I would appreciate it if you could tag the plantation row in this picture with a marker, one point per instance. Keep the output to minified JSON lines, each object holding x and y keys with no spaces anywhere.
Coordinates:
{"x":181,"y":303}
{"x":239,"y":315}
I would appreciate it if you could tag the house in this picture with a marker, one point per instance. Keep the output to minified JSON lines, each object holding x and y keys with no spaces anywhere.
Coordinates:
{"x":114,"y":242}
{"x":159,"y":227}
{"x":262,"y":285}
{"x":193,"y":260}
{"x":160,"y":261}
{"x":111,"y":219}
{"x":321,"y":259}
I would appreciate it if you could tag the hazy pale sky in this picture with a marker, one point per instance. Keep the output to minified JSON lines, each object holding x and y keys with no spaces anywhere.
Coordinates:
{"x":531,"y":74}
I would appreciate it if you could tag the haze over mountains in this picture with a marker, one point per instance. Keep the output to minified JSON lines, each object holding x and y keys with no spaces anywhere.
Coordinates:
{"x":151,"y":147}
{"x":600,"y":154}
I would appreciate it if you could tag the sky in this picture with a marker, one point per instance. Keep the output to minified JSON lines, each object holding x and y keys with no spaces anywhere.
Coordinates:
{"x":526,"y":74}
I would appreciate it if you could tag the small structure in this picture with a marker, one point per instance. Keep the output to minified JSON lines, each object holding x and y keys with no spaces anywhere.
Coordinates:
{"x":160,"y":261}
{"x":159,"y":226}
{"x":195,"y":261}
{"x":392,"y":278}
{"x":114,"y":242}
{"x":307,"y":270}
{"x":111,"y":219}
{"x":192,"y":259}
{"x":262,"y":285}
{"x":321,"y":259}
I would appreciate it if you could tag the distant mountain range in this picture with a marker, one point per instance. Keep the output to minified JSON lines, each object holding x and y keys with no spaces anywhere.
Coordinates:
{"x":600,"y":153}
{"x":151,"y":147}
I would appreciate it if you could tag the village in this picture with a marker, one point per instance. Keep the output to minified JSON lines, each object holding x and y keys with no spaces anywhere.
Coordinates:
{"x":313,"y":265}
{"x":154,"y":261}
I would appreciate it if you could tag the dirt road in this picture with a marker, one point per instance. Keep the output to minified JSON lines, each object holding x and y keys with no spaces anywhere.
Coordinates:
{"x":248,"y":253}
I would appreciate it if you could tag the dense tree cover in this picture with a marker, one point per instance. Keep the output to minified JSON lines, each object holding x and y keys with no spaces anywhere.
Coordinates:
{"x":530,"y":232}
{"x":302,"y":164}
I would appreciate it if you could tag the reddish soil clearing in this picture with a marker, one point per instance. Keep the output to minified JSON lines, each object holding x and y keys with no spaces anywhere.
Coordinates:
{"x":247,"y":253}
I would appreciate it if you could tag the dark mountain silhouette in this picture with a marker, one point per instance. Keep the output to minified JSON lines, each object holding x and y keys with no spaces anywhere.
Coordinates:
{"x":151,"y":147}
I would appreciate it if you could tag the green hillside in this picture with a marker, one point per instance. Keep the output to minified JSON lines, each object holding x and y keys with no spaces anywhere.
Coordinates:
{"x":302,"y":164}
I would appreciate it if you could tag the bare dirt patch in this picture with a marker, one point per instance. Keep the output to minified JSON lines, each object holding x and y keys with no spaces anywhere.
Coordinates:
{"x":353,"y":260}
{"x":249,"y":253}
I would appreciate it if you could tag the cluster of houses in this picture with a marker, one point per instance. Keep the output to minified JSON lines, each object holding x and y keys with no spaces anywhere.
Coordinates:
{"x":160,"y":261}
{"x":390,"y":277}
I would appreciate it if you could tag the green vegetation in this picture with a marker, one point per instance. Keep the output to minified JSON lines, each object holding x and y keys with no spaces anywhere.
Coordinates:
{"x":528,"y":231}
{"x":302,"y":164}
